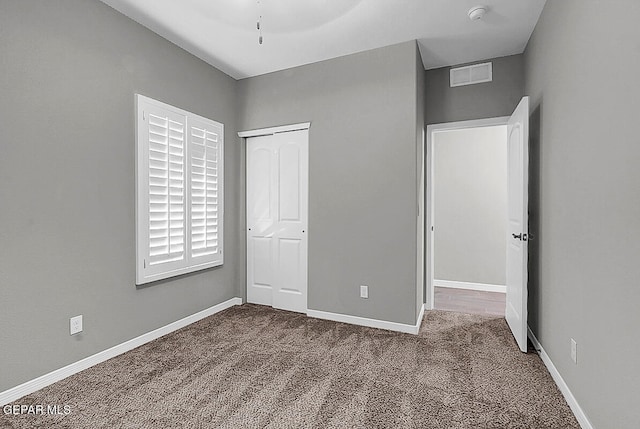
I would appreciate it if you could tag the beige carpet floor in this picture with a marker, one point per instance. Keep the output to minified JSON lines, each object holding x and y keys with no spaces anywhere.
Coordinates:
{"x":255,"y":367}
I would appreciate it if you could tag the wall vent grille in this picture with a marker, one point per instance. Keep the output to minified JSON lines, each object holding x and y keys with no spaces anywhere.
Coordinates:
{"x":470,"y":75}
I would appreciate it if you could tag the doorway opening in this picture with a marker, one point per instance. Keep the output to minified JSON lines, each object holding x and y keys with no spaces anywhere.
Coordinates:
{"x":469,"y":216}
{"x":517,"y":195}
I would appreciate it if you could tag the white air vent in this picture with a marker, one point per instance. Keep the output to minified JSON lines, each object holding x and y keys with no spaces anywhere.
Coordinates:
{"x":469,"y":75}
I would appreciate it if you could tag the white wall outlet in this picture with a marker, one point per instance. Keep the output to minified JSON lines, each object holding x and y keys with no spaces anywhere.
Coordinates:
{"x":574,"y":351}
{"x":75,"y":325}
{"x":364,"y":291}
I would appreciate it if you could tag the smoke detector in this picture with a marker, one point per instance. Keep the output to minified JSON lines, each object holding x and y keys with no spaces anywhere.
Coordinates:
{"x":477,"y":12}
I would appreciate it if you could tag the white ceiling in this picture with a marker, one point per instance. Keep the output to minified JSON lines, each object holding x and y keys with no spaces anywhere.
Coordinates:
{"x":296,"y":32}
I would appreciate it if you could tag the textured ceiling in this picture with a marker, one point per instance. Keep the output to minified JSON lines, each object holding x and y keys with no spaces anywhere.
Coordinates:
{"x":296,"y":32}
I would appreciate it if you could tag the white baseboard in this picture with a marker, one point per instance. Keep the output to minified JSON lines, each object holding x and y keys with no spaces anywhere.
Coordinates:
{"x":568,"y":396}
{"x":47,"y":379}
{"x":371,"y":323}
{"x":471,"y":286}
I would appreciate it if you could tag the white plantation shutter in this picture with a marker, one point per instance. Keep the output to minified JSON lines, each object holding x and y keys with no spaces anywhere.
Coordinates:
{"x":178,"y":190}
{"x":206,"y":138}
{"x":166,"y":188}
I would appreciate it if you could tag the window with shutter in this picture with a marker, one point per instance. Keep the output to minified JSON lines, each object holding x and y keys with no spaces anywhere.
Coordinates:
{"x":205,"y":176}
{"x":178,"y":190}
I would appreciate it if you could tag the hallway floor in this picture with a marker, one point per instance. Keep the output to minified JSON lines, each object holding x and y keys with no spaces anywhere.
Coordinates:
{"x":470,"y":301}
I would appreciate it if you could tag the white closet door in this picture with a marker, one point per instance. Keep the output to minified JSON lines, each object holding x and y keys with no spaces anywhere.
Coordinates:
{"x":277,"y":200}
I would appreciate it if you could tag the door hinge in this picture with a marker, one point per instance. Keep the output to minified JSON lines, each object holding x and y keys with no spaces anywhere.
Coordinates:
{"x":144,"y":263}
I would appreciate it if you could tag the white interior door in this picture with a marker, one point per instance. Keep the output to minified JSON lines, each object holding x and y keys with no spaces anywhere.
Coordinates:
{"x":420,"y":251}
{"x":517,"y":230}
{"x":277,"y":200}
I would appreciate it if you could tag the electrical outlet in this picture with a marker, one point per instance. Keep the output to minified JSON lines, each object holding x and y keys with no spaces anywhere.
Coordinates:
{"x":75,"y":325}
{"x":574,"y":351}
{"x":364,"y":291}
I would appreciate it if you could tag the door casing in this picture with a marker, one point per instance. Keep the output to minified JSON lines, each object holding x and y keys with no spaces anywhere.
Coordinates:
{"x":432,"y":130}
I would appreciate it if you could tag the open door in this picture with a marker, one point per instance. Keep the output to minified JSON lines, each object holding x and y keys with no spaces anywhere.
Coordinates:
{"x":517,"y":230}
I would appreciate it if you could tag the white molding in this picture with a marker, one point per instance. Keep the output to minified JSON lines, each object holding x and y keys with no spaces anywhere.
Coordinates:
{"x":371,"y":323}
{"x":475,"y":123}
{"x":471,"y":286}
{"x":274,"y":130}
{"x":419,"y":321}
{"x":566,"y":392}
{"x":47,"y":379}
{"x":430,"y":212}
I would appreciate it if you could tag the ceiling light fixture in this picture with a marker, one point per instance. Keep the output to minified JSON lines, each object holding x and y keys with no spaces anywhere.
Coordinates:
{"x":259,"y":23}
{"x":477,"y":12}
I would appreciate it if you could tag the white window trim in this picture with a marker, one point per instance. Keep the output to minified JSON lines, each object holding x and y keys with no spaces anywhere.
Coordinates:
{"x":141,"y":196}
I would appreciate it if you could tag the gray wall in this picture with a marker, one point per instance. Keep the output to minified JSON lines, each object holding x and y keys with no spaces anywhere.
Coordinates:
{"x":582,"y":75}
{"x":470,"y":201}
{"x":484,"y":100}
{"x":68,"y":73}
{"x":362,"y":174}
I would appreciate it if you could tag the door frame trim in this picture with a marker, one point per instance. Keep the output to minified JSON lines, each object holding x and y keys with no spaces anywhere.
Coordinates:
{"x":274,"y":130}
{"x":431,"y":131}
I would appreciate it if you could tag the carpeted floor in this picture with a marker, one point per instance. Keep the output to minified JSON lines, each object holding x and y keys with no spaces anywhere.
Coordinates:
{"x":255,"y":367}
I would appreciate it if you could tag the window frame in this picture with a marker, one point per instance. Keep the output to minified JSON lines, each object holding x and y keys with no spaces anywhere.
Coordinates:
{"x":144,"y":272}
